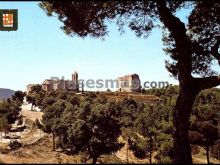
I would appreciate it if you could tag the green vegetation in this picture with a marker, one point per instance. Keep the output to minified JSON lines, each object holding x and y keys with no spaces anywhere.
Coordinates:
{"x":192,"y":48}
{"x":91,"y":123}
{"x":14,"y":145}
{"x":35,"y":96}
{"x":204,"y":129}
{"x":91,"y":126}
{"x":204,"y":121}
{"x":187,"y":115}
{"x":10,"y":111}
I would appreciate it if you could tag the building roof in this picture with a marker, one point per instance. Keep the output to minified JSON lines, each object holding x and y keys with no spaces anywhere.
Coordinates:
{"x":128,"y":76}
{"x":30,"y":85}
{"x":75,"y":72}
{"x":48,"y":81}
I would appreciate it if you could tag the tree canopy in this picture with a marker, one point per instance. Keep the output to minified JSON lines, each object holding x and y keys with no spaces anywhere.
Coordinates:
{"x":192,"y":48}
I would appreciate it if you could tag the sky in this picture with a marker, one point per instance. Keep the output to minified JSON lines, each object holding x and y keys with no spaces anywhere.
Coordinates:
{"x":39,"y":50}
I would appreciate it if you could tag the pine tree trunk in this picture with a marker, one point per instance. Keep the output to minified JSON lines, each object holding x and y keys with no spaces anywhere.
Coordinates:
{"x":189,"y":86}
{"x":94,"y":159}
{"x":182,"y":112}
{"x":207,"y":155}
{"x":151,"y":145}
{"x":54,"y":141}
{"x":32,"y":106}
{"x":127,"y":148}
{"x":186,"y":98}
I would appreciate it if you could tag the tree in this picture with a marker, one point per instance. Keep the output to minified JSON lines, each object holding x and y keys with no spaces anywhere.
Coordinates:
{"x":52,"y":117}
{"x":62,"y":94}
{"x":36,"y":96}
{"x":204,"y":126}
{"x":48,"y":100}
{"x":74,"y":100}
{"x":192,"y":48}
{"x":147,"y":124}
{"x":9,"y":113}
{"x":4,"y":126}
{"x":93,"y":129}
{"x":163,"y":123}
{"x":36,"y":88}
{"x":128,"y":116}
{"x":204,"y":134}
{"x":215,"y":150}
{"x":31,"y":99}
{"x":19,"y":95}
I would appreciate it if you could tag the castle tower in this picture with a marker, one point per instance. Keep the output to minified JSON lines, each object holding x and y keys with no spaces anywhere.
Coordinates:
{"x":75,"y":81}
{"x":75,"y":76}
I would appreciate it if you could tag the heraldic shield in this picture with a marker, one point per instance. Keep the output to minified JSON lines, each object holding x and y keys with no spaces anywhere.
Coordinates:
{"x":8,"y":19}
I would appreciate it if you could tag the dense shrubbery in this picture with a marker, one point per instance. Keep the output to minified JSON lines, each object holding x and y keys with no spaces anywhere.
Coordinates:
{"x":92,"y":123}
{"x":204,"y":130}
{"x":14,"y":145}
{"x":10,"y":111}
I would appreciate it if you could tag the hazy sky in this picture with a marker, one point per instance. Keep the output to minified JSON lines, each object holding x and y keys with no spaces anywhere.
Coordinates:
{"x":39,"y":50}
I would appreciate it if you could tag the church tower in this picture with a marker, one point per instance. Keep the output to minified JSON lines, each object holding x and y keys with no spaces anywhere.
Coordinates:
{"x":75,"y":81}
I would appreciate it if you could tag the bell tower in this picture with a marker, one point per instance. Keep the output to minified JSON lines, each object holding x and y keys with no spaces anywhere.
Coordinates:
{"x":75,"y":81}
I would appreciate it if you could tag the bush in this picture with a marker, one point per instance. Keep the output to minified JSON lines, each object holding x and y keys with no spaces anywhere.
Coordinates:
{"x":4,"y":150}
{"x":194,"y":149}
{"x":166,"y":160}
{"x":14,"y":145}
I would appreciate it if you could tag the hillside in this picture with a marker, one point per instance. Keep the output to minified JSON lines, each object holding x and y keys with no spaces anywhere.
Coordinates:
{"x":6,"y":93}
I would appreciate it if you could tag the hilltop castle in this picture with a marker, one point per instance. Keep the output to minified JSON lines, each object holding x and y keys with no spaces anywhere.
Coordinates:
{"x":61,"y":84}
{"x":58,"y":84}
{"x":129,"y":83}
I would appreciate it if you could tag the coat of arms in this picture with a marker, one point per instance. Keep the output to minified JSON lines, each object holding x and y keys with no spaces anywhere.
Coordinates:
{"x":8,"y":19}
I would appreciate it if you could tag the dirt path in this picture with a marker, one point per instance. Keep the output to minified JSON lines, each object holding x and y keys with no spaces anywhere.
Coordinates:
{"x":29,"y":135}
{"x":203,"y":160}
{"x":122,"y":155}
{"x":41,"y":152}
{"x":27,"y":113}
{"x":34,"y":134}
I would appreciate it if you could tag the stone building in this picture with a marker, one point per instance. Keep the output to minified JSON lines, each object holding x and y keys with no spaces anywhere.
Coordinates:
{"x":129,"y":83}
{"x":28,"y":88}
{"x":61,"y":84}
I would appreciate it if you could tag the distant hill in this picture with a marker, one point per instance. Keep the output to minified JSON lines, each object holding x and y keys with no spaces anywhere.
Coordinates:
{"x":6,"y":93}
